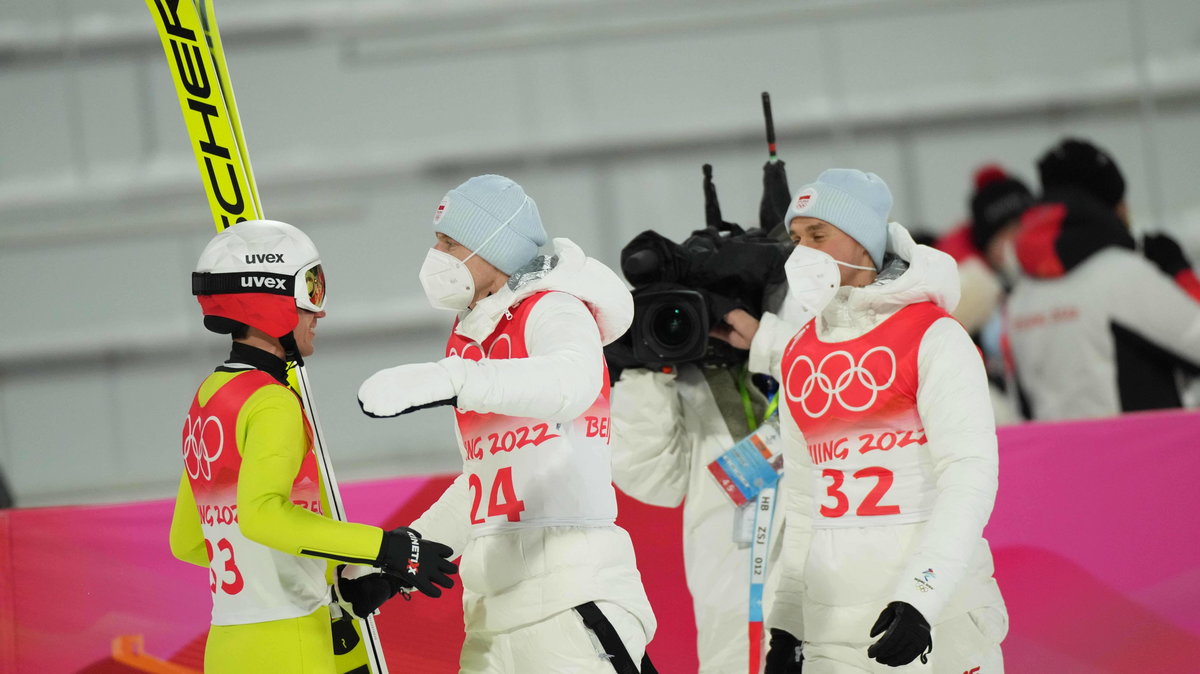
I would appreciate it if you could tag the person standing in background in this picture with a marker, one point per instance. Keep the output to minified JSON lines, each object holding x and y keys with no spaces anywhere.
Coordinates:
{"x":1096,"y":328}
{"x":988,"y":267}
{"x":668,"y":428}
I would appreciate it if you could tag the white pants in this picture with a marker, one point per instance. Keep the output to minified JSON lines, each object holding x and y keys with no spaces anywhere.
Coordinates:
{"x":722,"y":638}
{"x":968,"y":644}
{"x":560,"y":643}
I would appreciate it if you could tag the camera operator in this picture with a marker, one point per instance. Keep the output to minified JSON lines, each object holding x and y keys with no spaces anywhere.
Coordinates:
{"x":683,"y":401}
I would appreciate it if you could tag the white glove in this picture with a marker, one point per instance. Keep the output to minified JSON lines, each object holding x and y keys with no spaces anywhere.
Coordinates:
{"x":407,"y":388}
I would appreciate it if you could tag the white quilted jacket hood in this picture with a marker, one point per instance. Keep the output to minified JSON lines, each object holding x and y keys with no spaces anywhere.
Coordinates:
{"x":565,"y":269}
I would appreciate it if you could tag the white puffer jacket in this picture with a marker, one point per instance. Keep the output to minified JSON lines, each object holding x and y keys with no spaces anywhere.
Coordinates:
{"x":835,"y":581}
{"x":519,"y":577}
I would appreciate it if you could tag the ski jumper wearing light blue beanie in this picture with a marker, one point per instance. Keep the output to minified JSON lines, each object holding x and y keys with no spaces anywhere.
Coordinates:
{"x":492,"y":216}
{"x":855,"y":202}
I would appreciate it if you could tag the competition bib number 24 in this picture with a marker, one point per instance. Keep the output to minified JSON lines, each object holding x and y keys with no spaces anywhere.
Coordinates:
{"x":502,"y":497}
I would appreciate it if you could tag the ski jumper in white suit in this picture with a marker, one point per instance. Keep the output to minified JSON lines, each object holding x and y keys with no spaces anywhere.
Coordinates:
{"x":533,"y":512}
{"x":890,"y":448}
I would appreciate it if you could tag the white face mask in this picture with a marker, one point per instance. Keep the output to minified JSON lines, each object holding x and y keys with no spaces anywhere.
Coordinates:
{"x":813,"y":279}
{"x":448,"y":283}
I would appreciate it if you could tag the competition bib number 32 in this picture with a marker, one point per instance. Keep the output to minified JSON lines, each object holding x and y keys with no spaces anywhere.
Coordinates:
{"x":870,"y":505}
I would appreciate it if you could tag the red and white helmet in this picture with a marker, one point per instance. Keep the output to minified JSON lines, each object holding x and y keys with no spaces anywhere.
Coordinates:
{"x":257,"y":272}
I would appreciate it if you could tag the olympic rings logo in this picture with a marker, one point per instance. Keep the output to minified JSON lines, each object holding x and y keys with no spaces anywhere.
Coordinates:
{"x":824,"y":384}
{"x":501,"y":348}
{"x":197,"y":457}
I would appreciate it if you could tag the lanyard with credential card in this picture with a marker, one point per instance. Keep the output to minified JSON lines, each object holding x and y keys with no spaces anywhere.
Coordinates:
{"x":752,"y":463}
{"x":759,"y":549}
{"x":748,"y":474}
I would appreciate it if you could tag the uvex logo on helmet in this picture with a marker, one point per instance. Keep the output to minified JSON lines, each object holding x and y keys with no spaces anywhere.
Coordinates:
{"x":266,"y":282}
{"x":265,"y":258}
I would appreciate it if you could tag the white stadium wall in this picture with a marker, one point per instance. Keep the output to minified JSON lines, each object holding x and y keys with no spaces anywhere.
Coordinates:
{"x":360,"y":115}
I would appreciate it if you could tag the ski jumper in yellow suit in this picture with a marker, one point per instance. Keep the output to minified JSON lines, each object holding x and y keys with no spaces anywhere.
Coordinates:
{"x":251,"y":509}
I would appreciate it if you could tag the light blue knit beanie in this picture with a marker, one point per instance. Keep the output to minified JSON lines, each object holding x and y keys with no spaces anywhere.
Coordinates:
{"x":492,"y":217}
{"x":855,"y":202}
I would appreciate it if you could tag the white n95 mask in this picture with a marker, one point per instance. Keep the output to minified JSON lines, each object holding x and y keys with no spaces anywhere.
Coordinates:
{"x":813,"y":279}
{"x":447,"y":282}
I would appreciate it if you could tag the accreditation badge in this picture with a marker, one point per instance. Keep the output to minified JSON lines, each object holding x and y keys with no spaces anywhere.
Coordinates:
{"x":754,"y":462}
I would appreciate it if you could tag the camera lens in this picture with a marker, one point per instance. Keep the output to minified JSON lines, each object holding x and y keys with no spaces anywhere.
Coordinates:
{"x":672,"y":326}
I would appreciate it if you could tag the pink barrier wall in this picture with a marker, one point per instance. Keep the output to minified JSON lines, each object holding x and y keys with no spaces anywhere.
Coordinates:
{"x":1094,"y":535}
{"x":1096,"y":547}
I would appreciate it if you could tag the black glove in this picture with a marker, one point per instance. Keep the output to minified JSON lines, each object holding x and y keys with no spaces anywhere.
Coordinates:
{"x":362,"y":596}
{"x":416,"y":562}
{"x":905,"y":636}
{"x":1165,"y":253}
{"x":785,"y":655}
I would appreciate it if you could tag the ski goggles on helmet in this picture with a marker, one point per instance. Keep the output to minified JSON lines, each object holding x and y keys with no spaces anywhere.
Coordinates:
{"x":307,"y":287}
{"x":311,"y":294}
